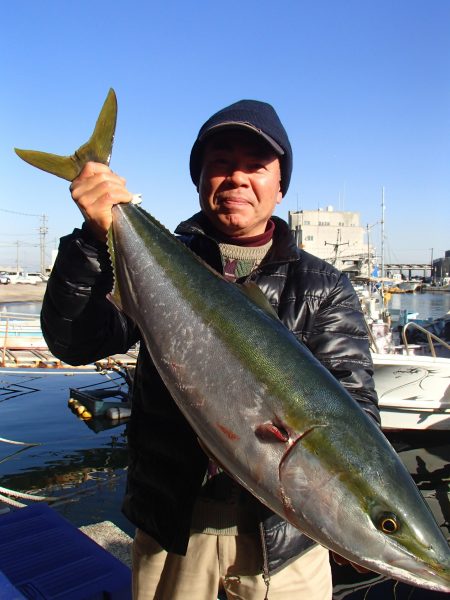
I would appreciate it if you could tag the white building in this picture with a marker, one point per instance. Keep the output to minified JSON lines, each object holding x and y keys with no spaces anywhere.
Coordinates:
{"x":335,"y":236}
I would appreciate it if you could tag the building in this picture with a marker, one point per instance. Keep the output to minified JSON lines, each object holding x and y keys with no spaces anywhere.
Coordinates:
{"x":441,"y":269}
{"x":335,"y":236}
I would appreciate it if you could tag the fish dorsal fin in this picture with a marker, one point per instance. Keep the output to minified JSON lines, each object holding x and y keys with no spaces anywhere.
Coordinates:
{"x":97,"y":149}
{"x":252,"y":291}
{"x":114,"y":296}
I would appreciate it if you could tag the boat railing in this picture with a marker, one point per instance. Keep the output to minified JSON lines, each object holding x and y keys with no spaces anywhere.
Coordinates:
{"x":7,"y":321}
{"x":430,"y":337}
{"x":372,"y":341}
{"x":15,"y":316}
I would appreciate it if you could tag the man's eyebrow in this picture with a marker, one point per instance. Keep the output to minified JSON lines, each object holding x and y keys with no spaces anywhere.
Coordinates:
{"x":257,"y":151}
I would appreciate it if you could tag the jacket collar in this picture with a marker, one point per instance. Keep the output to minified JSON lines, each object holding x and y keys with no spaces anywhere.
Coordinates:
{"x":284,"y":248}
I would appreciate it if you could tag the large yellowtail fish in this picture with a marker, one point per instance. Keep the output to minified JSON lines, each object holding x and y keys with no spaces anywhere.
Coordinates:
{"x":260,"y":402}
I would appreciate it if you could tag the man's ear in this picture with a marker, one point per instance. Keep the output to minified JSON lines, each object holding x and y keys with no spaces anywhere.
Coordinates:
{"x":279,"y":195}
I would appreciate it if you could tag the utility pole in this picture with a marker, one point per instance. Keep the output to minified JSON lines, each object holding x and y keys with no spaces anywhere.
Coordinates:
{"x":43,"y":230}
{"x":17,"y":256}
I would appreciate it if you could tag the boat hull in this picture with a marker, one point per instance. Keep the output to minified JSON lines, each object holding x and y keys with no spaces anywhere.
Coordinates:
{"x":413,"y":391}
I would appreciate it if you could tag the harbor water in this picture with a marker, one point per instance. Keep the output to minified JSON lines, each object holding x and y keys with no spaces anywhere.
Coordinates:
{"x":83,"y":463}
{"x":428,"y":305}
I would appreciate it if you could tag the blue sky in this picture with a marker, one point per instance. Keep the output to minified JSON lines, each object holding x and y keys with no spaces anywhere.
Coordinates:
{"x":363,"y":88}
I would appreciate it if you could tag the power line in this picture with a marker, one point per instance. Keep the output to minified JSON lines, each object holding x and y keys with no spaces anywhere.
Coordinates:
{"x":43,"y":230}
{"x":15,"y":212}
{"x":27,"y":244}
{"x":16,"y":235}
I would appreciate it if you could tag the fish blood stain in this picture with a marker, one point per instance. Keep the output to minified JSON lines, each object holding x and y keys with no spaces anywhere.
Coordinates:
{"x":230,"y":434}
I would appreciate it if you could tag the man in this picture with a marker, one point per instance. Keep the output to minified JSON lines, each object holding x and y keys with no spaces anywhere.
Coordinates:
{"x":197,"y":530}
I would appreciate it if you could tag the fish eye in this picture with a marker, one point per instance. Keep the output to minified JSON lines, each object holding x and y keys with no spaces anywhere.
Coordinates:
{"x":388,"y":523}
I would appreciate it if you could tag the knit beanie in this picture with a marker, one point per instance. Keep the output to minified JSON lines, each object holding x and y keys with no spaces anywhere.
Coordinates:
{"x":258,"y":117}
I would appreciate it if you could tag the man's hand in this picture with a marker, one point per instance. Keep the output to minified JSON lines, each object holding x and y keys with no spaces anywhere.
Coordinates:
{"x":95,"y":191}
{"x":342,"y":562}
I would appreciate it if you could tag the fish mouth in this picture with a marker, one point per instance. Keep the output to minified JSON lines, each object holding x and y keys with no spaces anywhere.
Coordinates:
{"x":410,"y":571}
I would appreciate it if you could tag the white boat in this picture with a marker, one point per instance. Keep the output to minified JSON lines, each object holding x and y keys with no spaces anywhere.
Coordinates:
{"x":406,"y":287}
{"x":412,"y":380}
{"x":20,"y":331}
{"x":413,"y":391}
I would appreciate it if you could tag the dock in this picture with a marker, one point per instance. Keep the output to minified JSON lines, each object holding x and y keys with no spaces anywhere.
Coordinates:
{"x":107,"y":535}
{"x":42,"y":358}
{"x":29,"y":350}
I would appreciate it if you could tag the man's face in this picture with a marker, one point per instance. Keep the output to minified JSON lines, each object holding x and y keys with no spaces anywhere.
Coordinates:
{"x":239,"y":183}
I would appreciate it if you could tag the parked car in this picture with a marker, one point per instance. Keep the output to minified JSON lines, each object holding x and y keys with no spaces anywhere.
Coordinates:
{"x":23,"y":278}
{"x":27,"y":279}
{"x":4,"y":278}
{"x":38,"y":277}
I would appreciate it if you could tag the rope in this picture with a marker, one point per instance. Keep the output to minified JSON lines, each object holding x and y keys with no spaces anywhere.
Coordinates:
{"x":19,"y":443}
{"x":4,"y":498}
{"x":25,"y":496}
{"x":7,"y":500}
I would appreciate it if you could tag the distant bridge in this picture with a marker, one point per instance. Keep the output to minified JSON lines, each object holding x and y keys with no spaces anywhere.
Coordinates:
{"x":407,"y":267}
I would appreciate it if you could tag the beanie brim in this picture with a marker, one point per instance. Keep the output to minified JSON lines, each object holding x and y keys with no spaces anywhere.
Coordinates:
{"x":239,"y":125}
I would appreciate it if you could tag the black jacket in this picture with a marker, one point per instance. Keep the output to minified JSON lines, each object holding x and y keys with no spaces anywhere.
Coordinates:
{"x":166,"y":463}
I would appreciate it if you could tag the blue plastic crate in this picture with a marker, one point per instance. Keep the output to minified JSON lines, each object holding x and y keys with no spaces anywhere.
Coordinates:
{"x":8,"y":591}
{"x":45,"y":557}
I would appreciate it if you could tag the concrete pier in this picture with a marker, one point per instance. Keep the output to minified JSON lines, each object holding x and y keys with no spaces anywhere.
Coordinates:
{"x":22,"y":292}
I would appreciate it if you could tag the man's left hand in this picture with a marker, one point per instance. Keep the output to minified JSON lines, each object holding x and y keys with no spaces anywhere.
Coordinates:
{"x":341,"y":561}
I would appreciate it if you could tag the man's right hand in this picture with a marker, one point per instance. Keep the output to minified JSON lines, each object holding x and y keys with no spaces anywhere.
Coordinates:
{"x":95,"y":191}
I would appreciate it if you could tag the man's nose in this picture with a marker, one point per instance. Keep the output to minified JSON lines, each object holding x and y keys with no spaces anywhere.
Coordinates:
{"x":238,"y":175}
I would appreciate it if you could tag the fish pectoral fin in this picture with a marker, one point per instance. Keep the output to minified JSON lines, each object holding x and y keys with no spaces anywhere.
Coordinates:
{"x":252,"y":291}
{"x":97,"y":149}
{"x":270,"y":432}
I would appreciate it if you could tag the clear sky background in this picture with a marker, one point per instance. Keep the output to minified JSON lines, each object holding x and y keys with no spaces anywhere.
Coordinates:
{"x":363,"y":88}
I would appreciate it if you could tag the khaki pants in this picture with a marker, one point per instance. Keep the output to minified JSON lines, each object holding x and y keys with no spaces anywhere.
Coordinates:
{"x":231,"y":562}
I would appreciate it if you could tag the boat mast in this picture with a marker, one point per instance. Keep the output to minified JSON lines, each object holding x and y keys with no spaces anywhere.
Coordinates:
{"x":382,"y":233}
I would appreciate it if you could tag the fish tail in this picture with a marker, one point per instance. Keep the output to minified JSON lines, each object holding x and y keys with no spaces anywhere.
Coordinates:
{"x":66,"y":167}
{"x":97,"y":149}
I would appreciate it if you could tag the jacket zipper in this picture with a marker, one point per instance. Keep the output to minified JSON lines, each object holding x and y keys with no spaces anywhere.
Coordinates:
{"x":265,"y":574}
